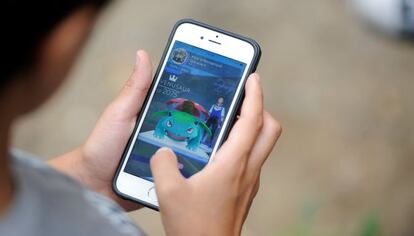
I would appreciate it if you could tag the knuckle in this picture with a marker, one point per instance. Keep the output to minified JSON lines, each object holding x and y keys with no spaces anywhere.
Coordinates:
{"x":129,"y":83}
{"x":259,"y":122}
{"x":256,"y":189}
{"x":255,"y":120}
{"x":236,"y":172}
{"x":274,"y":126}
{"x":136,"y":84}
{"x":143,"y":88}
{"x":114,"y":112}
{"x":278,"y":128}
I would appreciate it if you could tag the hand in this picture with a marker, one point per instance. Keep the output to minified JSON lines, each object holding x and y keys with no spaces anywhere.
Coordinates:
{"x":94,"y":163}
{"x":216,"y":200}
{"x":102,"y":151}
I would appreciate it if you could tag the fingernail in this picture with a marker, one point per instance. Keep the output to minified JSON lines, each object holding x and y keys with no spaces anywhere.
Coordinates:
{"x":137,"y":58}
{"x":163,"y":149}
{"x":257,"y":77}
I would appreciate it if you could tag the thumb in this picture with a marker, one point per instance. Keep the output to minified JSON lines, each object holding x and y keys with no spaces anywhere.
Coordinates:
{"x":164,"y":167}
{"x":133,"y":94}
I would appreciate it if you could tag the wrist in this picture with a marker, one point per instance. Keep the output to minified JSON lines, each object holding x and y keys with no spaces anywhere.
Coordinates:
{"x":75,"y":165}
{"x":87,"y":173}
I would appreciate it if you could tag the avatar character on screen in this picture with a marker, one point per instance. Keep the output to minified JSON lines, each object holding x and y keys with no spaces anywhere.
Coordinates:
{"x":182,"y":124}
{"x":216,"y":117}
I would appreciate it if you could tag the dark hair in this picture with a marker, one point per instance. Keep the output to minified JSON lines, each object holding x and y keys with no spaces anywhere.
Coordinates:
{"x":24,"y":24}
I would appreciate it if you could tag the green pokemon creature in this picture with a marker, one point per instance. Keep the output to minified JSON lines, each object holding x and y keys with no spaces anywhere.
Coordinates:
{"x":180,"y":126}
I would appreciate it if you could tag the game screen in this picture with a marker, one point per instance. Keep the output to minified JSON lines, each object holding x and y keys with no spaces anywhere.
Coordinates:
{"x":187,"y":110}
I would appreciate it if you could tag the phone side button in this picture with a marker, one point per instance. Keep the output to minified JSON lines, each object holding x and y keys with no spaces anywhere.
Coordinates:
{"x":152,"y":194}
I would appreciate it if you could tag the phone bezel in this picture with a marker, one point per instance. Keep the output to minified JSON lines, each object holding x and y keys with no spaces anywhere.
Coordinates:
{"x":189,"y":31}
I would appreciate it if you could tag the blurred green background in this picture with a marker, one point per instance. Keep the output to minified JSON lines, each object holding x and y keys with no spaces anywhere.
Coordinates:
{"x":344,"y":165}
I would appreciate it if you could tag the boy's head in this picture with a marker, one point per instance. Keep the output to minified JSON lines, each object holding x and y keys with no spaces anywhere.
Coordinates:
{"x":41,"y":40}
{"x":220,"y":101}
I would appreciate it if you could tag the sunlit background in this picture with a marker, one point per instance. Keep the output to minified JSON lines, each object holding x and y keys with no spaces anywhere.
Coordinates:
{"x":344,"y":94}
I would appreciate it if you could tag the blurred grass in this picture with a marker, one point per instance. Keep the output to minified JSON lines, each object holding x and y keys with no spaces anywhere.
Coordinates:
{"x":371,"y":226}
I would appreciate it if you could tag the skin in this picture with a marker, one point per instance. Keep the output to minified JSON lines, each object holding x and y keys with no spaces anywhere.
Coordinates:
{"x":32,"y":87}
{"x":198,"y":205}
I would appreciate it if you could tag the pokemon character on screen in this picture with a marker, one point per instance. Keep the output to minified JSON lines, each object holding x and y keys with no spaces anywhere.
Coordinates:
{"x":187,"y":110}
{"x":180,"y":126}
{"x":182,"y":122}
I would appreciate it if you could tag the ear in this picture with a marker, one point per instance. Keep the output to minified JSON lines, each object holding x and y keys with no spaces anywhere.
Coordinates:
{"x":54,"y":58}
{"x":63,"y":44}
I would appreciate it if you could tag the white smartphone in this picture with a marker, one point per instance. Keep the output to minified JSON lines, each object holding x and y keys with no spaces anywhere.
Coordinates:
{"x":191,"y":105}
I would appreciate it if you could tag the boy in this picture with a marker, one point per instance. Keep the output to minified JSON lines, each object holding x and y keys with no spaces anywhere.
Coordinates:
{"x":72,"y":195}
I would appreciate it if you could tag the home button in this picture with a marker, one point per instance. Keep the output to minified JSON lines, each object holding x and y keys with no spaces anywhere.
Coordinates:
{"x":152,"y":194}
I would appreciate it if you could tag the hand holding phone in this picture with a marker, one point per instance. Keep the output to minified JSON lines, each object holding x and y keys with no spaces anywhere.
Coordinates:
{"x":234,"y":171}
{"x":216,"y":200}
{"x":191,"y":105}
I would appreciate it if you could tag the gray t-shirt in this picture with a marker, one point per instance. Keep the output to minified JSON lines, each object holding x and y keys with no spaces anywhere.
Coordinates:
{"x":49,"y":203}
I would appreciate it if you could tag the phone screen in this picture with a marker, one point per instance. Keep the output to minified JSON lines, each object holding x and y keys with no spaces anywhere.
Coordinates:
{"x":187,"y":110}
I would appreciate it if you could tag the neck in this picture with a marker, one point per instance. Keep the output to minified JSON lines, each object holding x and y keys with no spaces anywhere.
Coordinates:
{"x":13,"y":102}
{"x":6,"y":183}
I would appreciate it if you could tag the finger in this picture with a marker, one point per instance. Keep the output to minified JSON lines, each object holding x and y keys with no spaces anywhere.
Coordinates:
{"x":265,"y":142}
{"x":253,"y":102}
{"x":251,"y":197}
{"x":133,"y":94}
{"x":246,"y":201}
{"x":256,"y":187}
{"x":164,"y":168}
{"x":247,"y":127}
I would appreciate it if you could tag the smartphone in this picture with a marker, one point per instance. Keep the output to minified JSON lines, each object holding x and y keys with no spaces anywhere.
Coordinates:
{"x":190,"y":107}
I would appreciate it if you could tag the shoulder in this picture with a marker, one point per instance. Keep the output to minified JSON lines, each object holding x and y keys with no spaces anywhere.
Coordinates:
{"x":63,"y":205}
